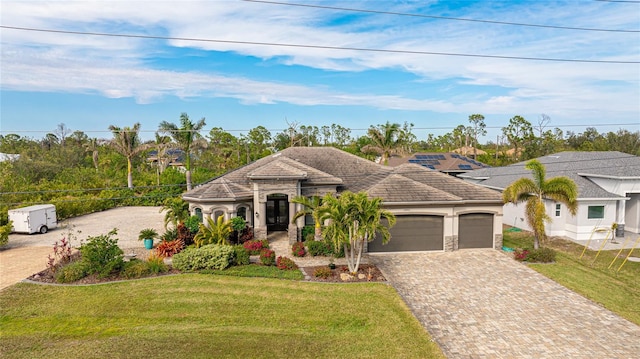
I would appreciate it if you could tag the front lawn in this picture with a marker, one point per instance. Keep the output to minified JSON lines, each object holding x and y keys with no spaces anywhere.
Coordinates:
{"x":210,"y":316}
{"x":591,"y":277}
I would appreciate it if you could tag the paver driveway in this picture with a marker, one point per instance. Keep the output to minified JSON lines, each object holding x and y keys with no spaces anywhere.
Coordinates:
{"x":483,"y":304}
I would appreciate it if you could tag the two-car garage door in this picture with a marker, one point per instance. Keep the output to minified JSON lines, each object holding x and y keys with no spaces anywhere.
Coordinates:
{"x":413,"y":233}
{"x":426,"y":233}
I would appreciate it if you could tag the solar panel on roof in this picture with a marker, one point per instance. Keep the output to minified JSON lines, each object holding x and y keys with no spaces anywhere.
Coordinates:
{"x":465,"y":167}
{"x":421,"y":157}
{"x":414,"y":161}
{"x":441,"y":157}
{"x":429,"y":166}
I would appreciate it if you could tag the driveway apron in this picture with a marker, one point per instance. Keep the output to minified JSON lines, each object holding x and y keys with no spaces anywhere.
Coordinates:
{"x":483,"y":304}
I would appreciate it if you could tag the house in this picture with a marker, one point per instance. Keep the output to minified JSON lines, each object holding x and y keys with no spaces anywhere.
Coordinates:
{"x":469,"y":151}
{"x":608,"y":192}
{"x":448,"y":162}
{"x":434,"y":211}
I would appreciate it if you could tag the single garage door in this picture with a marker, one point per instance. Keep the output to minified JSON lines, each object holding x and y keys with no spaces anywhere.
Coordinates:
{"x":413,"y":233}
{"x":475,"y":230}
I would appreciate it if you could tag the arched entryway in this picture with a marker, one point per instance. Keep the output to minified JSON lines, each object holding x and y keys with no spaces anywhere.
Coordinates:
{"x":277,"y":212}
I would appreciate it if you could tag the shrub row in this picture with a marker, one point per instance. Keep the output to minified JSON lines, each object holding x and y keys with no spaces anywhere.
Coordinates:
{"x":541,"y":255}
{"x":211,"y":256}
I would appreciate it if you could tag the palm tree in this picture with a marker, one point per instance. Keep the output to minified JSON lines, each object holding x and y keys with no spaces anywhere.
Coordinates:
{"x":385,"y":141}
{"x":215,"y":232}
{"x":187,"y":136}
{"x":535,"y":191}
{"x":177,"y":211}
{"x":354,"y":219}
{"x":127,"y":142}
{"x":311,"y":207}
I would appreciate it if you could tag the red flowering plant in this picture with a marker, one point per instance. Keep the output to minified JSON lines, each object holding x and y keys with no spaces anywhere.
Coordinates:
{"x":267,"y":257}
{"x":520,"y":254}
{"x":254,"y":246}
{"x":285,"y":263}
{"x":298,"y":249}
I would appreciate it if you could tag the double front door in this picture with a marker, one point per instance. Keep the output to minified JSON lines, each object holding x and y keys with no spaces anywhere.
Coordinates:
{"x":277,"y":212}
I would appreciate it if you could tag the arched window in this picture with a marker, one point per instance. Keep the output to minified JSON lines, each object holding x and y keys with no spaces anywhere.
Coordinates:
{"x":199,"y":214}
{"x":242,"y":212}
{"x":217,"y":214}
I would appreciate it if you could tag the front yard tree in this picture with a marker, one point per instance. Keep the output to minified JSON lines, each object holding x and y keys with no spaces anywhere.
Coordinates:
{"x":187,"y":136}
{"x":127,"y":142}
{"x":535,"y":191}
{"x":311,"y":206}
{"x":518,"y":132}
{"x":353,"y":220}
{"x":478,"y":128}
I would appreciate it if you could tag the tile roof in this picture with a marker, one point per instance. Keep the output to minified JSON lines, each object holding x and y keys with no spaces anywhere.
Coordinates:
{"x":447,"y":162}
{"x":328,"y":165}
{"x":576,"y":165}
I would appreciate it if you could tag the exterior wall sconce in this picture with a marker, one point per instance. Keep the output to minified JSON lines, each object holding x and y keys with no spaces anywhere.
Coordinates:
{"x":257,"y":215}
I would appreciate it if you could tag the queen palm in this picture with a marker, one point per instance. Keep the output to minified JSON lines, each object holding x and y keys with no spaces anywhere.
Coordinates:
{"x":187,"y":136}
{"x":127,"y":142}
{"x":311,"y":206}
{"x":535,"y":191}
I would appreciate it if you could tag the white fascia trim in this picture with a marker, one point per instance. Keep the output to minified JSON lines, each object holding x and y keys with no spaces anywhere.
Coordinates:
{"x":609,"y":176}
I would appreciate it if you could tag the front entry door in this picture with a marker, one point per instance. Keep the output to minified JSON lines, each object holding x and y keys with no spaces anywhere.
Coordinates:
{"x":277,"y":212}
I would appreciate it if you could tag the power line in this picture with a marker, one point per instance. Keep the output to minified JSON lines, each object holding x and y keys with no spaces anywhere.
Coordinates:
{"x":321,"y":47}
{"x":443,"y":17}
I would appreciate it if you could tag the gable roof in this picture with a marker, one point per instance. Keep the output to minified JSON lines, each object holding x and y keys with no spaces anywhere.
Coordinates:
{"x":447,"y":162}
{"x":330,"y":166}
{"x":578,"y":166}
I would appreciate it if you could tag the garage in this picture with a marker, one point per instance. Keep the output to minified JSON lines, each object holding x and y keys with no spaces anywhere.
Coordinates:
{"x":413,"y":233}
{"x":475,"y":230}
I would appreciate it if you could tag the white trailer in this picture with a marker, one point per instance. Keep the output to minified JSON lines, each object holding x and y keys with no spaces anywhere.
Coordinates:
{"x":34,"y":219}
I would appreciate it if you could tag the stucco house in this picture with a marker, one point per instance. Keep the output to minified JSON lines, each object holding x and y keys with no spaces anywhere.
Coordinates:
{"x":608,"y":192}
{"x":434,"y":211}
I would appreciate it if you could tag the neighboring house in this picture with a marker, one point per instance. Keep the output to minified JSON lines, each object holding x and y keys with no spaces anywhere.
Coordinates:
{"x":172,"y":157}
{"x":434,"y":211}
{"x":448,"y":162}
{"x":608,"y":192}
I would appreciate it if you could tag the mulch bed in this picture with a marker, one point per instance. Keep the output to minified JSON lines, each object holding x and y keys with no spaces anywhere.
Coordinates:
{"x":46,"y":276}
{"x":366,"y":273}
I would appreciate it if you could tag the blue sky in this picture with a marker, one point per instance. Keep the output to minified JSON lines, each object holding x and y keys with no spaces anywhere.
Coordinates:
{"x":91,"y":82}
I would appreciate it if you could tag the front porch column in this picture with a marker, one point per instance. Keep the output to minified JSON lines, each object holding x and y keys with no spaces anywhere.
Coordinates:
{"x":621,"y":209}
{"x":260,"y":230}
{"x":292,"y":228}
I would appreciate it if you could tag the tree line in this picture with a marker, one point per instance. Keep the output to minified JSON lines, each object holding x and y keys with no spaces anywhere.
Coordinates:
{"x":82,"y":174}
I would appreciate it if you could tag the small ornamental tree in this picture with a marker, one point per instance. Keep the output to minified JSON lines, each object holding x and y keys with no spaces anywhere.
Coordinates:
{"x":353,"y":220}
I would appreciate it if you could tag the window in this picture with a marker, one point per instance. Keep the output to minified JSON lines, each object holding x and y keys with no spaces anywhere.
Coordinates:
{"x":557,"y":209}
{"x":217,"y":214}
{"x":242,"y":213}
{"x":595,"y":212}
{"x":199,"y":214}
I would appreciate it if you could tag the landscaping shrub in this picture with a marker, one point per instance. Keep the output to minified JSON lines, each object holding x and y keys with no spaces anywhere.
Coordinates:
{"x":308,"y":233}
{"x":297,"y":249}
{"x":72,"y":272}
{"x":211,"y":256}
{"x":102,"y":254}
{"x":323,"y":248}
{"x":156,"y":265}
{"x":4,"y":233}
{"x":135,"y":268}
{"x":167,"y":249}
{"x":267,"y":257}
{"x":170,"y":235}
{"x":185,"y":234}
{"x":285,"y":263}
{"x":62,"y":255}
{"x":246,"y":235}
{"x":541,"y":255}
{"x":254,"y":246}
{"x":520,"y":254}
{"x":322,"y":272}
{"x":319,"y":248}
{"x":240,"y":256}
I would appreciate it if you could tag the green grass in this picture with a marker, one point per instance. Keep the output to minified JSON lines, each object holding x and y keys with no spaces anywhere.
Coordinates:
{"x":255,"y":270}
{"x":618,"y":291}
{"x":210,"y":316}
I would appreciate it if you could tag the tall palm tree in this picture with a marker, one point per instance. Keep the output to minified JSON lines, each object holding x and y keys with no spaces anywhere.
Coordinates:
{"x":311,"y":206}
{"x":127,"y":142}
{"x":355,"y":219}
{"x":534,"y":192}
{"x":385,"y":141}
{"x":187,"y":136}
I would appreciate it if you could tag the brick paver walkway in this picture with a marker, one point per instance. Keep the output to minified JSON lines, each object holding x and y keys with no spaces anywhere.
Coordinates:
{"x":483,"y":304}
